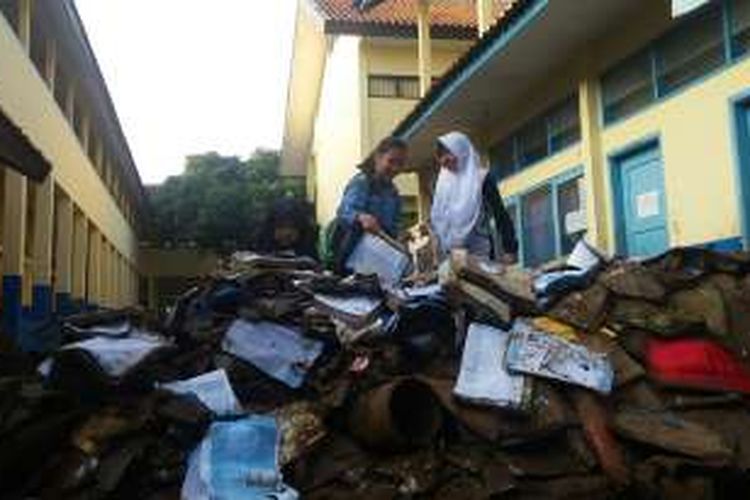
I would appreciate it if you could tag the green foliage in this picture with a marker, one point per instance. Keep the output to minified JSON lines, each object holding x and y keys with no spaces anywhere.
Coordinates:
{"x":219,"y":201}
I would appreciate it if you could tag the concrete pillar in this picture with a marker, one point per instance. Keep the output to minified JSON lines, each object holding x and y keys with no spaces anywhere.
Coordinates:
{"x":44,"y":223}
{"x":63,"y":254}
{"x":94,"y":275}
{"x":86,"y":132}
{"x":152,"y":294}
{"x":99,"y":157}
{"x":484,"y":15}
{"x":104,"y":273}
{"x":14,"y":249}
{"x":594,"y":164}
{"x":107,"y":275}
{"x":80,"y":258}
{"x":70,"y":102}
{"x":117,"y":279}
{"x":425,"y":46}
{"x":24,"y":23}
{"x":112,"y":277}
{"x":50,"y":64}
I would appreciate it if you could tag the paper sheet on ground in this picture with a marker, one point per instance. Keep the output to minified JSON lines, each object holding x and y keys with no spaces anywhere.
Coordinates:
{"x":277,"y":350}
{"x":537,"y":353}
{"x":213,"y":389}
{"x":115,"y":355}
{"x":483,"y":377}
{"x":237,"y":460}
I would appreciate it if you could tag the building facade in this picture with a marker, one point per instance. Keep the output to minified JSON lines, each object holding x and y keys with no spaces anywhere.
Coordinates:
{"x":613,"y":120}
{"x":69,"y":239}
{"x":355,"y":74}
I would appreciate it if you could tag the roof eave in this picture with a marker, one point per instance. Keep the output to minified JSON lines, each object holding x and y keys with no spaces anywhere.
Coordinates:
{"x":393,"y":30}
{"x":515,"y":20}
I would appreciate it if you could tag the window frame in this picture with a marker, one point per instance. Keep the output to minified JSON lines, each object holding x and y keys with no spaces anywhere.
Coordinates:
{"x":512,"y":139}
{"x":514,"y":203}
{"x":731,"y":57}
{"x":398,"y":81}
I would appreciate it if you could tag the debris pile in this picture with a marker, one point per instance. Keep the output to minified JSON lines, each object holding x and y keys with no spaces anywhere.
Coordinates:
{"x":593,"y":379}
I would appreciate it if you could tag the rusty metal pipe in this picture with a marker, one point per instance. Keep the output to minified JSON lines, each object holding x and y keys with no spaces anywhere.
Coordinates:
{"x":401,"y":415}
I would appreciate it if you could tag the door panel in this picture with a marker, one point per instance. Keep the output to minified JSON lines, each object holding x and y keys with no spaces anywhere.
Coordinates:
{"x":643,"y":203}
{"x":743,"y":137}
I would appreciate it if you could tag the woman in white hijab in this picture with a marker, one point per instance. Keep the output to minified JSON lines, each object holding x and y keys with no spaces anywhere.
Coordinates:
{"x":467,"y":205}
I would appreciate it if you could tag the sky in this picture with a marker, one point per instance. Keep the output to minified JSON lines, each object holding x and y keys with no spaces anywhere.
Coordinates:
{"x":192,"y":76}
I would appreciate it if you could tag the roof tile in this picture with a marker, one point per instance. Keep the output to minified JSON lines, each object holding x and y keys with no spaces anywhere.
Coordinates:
{"x":448,"y":13}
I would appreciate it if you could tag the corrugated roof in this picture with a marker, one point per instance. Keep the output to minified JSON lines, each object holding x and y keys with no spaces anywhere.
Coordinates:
{"x":448,"y":18}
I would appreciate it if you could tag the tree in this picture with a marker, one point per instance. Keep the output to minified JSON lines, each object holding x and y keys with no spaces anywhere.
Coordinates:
{"x":218,"y":202}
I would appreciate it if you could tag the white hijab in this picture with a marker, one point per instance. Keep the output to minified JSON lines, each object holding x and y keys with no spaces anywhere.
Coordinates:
{"x":457,"y":204}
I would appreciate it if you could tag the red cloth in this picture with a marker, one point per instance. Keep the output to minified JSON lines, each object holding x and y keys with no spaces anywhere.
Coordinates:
{"x":696,"y":363}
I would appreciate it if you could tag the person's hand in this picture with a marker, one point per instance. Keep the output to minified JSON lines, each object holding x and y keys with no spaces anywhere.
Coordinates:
{"x":369,"y":223}
{"x":509,"y":259}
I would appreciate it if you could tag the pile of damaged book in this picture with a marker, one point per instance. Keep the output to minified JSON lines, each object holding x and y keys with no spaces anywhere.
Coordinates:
{"x":593,"y":378}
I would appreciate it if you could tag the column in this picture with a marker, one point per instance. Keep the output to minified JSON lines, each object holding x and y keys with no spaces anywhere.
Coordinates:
{"x":86,"y":132}
{"x":104,"y":274}
{"x":152,"y":294}
{"x":70,"y":102}
{"x":112,"y":292}
{"x":14,"y":247}
{"x":50,"y":64}
{"x":594,"y":167}
{"x":63,"y":254}
{"x":24,"y":23}
{"x":424,"y":46}
{"x":42,"y":299}
{"x":484,"y":15}
{"x":93,"y":290}
{"x":80,"y":259}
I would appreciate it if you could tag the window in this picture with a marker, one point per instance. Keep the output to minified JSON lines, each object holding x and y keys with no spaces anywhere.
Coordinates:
{"x":692,"y":50}
{"x":740,"y":14}
{"x":544,"y":135}
{"x":61,"y":89}
{"x":695,"y":47}
{"x":564,"y":125}
{"x":504,"y":158}
{"x":571,"y":214}
{"x":628,"y":88}
{"x":538,"y":227}
{"x":9,"y":9}
{"x":399,"y":87}
{"x":38,"y":47}
{"x":551,"y":219}
{"x":532,"y":142}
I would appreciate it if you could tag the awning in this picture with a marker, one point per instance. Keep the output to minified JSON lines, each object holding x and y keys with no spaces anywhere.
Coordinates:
{"x":17,"y":152}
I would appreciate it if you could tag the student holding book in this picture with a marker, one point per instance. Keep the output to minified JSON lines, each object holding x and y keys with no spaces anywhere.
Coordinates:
{"x":467,"y":210}
{"x":371,"y":202}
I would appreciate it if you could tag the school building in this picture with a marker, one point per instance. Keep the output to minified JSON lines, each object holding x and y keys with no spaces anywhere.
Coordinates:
{"x":72,"y":201}
{"x":357,"y":70}
{"x":624,"y":121}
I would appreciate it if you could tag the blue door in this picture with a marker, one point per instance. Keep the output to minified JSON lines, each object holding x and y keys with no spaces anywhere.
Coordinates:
{"x":643,"y":217}
{"x":743,"y":143}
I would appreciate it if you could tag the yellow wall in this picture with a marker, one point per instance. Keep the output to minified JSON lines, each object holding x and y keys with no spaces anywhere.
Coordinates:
{"x":25,"y":98}
{"x":338,"y":129}
{"x":695,"y":133}
{"x":306,"y":76}
{"x":349,"y":124}
{"x":694,"y":127}
{"x":399,"y":57}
